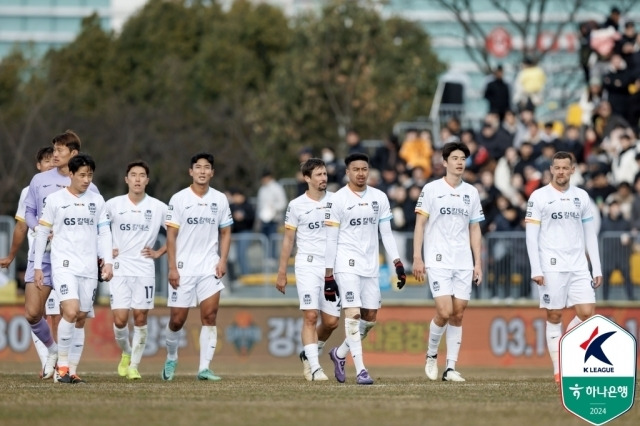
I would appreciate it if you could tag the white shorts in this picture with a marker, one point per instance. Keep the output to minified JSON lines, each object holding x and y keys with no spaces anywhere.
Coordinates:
{"x":193,"y":290}
{"x":52,"y":307}
{"x":310,"y":286}
{"x":358,"y":292}
{"x":69,"y":287}
{"x":566,"y":289}
{"x":450,"y":282}
{"x":132,"y":292}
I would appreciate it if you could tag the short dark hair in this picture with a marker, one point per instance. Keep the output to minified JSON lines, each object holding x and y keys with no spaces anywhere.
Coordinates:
{"x":81,"y":160}
{"x":44,"y":152}
{"x":69,"y":139}
{"x":310,"y":165}
{"x":449,"y":147}
{"x":356,"y":156}
{"x":562,"y":155}
{"x":138,"y":163}
{"x":199,"y":156}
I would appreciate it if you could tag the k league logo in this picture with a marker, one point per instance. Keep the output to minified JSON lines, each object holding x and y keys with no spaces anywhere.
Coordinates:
{"x":598,"y":370}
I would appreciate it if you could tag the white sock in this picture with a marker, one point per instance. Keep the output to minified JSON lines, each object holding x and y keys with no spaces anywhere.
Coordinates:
{"x":554,"y":331}
{"x":320,"y":347}
{"x":75,"y":352}
{"x":352,"y":327}
{"x":454,"y":339}
{"x":435,"y":335}
{"x":172,"y":341}
{"x":575,"y":321}
{"x":343,"y":349}
{"x":311,"y":351}
{"x":138,"y":342}
{"x":42,"y":350}
{"x":122,"y":338}
{"x":65,"y":335}
{"x":208,"y":342}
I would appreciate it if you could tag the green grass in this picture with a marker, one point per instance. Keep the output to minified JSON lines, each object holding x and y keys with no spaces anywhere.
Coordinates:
{"x":249,"y":396}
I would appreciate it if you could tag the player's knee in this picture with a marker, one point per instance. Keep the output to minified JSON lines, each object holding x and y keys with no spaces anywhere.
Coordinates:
{"x":120,"y":322}
{"x":310,"y":318}
{"x":332,"y":324}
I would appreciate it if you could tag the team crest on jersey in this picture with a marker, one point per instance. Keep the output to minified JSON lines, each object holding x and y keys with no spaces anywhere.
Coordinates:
{"x":92,"y":208}
{"x":148,"y":215}
{"x":65,"y":263}
{"x":352,"y":262}
{"x":64,"y":289}
{"x":328,"y":205}
{"x":530,"y":204}
{"x":116,"y":265}
{"x":466,"y":199}
{"x":170,"y":207}
{"x":553,"y":260}
{"x":438,"y":258}
{"x":180,"y":265}
{"x":214,"y":208}
{"x":375,"y":206}
{"x":576,"y":202}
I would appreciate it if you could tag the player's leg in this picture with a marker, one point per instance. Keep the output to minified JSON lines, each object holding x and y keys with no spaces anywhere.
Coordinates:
{"x":180,"y":300}
{"x":70,"y":304}
{"x":329,"y":321}
{"x":87,"y":290}
{"x":581,"y":296}
{"x":554,"y":297}
{"x":143,"y":300}
{"x":120,"y":296}
{"x":208,"y":293}
{"x":462,"y":283}
{"x":34,"y":303}
{"x":441,"y":285}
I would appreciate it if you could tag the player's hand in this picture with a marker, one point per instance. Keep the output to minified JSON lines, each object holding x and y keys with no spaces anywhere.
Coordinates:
{"x":221,"y":269}
{"x":477,"y":274}
{"x":538,"y":279}
{"x":115,"y":252}
{"x":331,"y":292}
{"x":6,"y":261}
{"x":174,"y":278}
{"x":596,"y":282}
{"x":149,"y":252}
{"x":419,"y":271}
{"x":100,"y":265}
{"x":107,"y":272}
{"x":402,"y":276}
{"x":281,"y":282}
{"x":38,"y":278}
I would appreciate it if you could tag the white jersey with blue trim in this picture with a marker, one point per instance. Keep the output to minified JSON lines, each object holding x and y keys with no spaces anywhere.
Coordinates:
{"x":560,"y":215}
{"x":21,"y":216}
{"x":358,"y":217}
{"x":450,"y":211}
{"x":74,"y":220}
{"x":134,"y":227}
{"x":306,"y":216}
{"x":198,"y":220}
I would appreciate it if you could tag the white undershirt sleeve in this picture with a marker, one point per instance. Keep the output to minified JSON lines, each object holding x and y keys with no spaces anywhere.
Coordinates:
{"x":388,"y":240}
{"x":331,"y":250}
{"x":591,"y":243}
{"x":532,"y":231}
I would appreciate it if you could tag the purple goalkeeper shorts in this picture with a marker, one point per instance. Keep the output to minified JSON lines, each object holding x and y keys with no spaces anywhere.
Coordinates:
{"x":29,"y":276}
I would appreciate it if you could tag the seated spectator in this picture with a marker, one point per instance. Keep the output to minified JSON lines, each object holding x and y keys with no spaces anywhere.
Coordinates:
{"x":544,"y":160}
{"x":335,"y":171}
{"x":599,"y":188}
{"x":571,"y":143}
{"x":615,"y":83}
{"x":354,"y":144}
{"x":624,"y":166}
{"x":386,"y":156}
{"x":624,"y":199}
{"x":478,"y":155}
{"x":416,"y":152}
{"x":526,"y":158}
{"x":504,"y":171}
{"x":548,"y":134}
{"x":590,"y":98}
{"x":604,"y":120}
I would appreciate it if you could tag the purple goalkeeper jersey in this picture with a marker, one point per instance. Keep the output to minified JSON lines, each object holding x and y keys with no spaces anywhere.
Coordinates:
{"x":42,"y":185}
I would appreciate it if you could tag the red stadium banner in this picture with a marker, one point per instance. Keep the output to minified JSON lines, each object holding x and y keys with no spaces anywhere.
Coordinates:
{"x":492,"y":336}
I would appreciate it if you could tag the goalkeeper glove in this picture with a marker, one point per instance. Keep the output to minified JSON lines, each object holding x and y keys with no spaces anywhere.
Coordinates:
{"x":330,"y":289}
{"x":402,"y":276}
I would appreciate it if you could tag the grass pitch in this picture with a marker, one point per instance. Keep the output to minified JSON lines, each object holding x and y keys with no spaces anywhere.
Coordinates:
{"x":250,"y":396}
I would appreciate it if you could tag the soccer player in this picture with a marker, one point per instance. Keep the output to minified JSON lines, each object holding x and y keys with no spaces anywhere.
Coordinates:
{"x":304,"y":223}
{"x":44,"y":162}
{"x":65,"y":146}
{"x":356,"y":213}
{"x":80,"y":225}
{"x":198,"y":240}
{"x":136,"y":219}
{"x":448,"y":216}
{"x":559,"y":226}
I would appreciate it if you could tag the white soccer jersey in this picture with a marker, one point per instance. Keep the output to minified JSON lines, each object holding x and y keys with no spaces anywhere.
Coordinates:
{"x":358,"y":218}
{"x":21,"y":215}
{"x":450,"y":211}
{"x":306,"y":216}
{"x":134,"y":227}
{"x":198,"y":220}
{"x":561,"y":245}
{"x":75,"y":221}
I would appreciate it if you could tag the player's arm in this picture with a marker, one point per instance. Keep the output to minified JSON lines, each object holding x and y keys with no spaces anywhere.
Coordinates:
{"x":149,"y":251}
{"x":285,"y":254}
{"x":591,"y":243}
{"x":532,"y":231}
{"x":172,"y":236}
{"x":419,"y":270}
{"x":42,"y":236}
{"x":225,"y":246}
{"x":475,"y":239}
{"x":105,"y":245}
{"x":30,"y":203}
{"x":19,"y":234}
{"x":392,"y":250}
